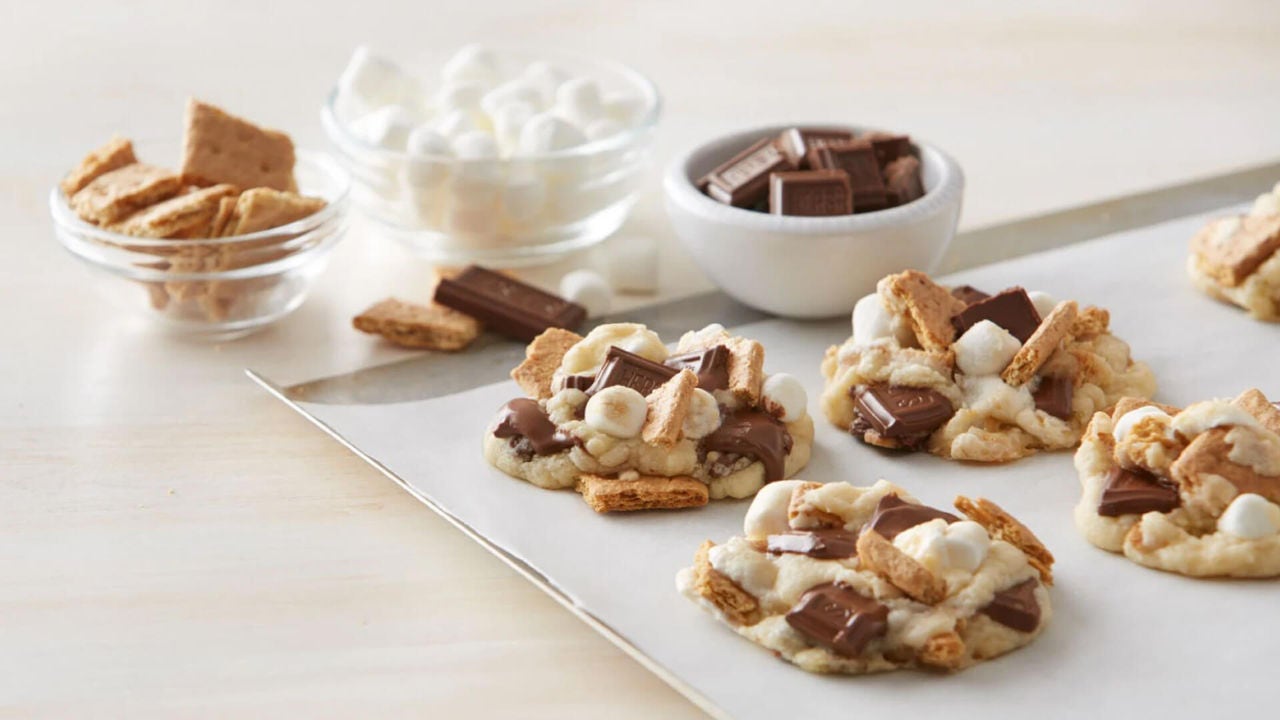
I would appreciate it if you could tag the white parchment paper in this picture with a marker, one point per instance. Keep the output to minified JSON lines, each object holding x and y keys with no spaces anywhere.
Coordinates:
{"x":1125,"y":641}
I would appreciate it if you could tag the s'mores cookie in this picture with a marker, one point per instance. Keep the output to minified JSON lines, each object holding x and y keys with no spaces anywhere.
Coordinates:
{"x":971,"y":376}
{"x":842,"y":579}
{"x":632,"y":425}
{"x":1237,"y":259}
{"x":1194,"y":491}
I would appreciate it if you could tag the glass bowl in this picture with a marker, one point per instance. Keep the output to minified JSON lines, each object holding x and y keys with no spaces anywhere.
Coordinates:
{"x":506,"y":212}
{"x":215,"y":288}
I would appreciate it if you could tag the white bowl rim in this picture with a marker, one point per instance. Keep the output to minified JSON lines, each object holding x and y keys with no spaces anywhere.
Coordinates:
{"x":680,"y":187}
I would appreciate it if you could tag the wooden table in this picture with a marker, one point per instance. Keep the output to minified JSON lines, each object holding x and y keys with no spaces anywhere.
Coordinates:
{"x":173,"y":542}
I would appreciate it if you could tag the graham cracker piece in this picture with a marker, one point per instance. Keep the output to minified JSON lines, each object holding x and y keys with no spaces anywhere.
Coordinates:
{"x":1256,"y":404}
{"x":1090,"y":321}
{"x":218,"y":147}
{"x":1042,"y":343}
{"x":647,"y":492}
{"x":878,"y":554}
{"x":431,"y":327}
{"x":803,"y":515}
{"x":929,"y":306}
{"x":222,"y":218}
{"x":541,"y":359}
{"x":668,"y":407}
{"x":1231,"y":259}
{"x":1128,"y":404}
{"x":120,"y":193}
{"x":944,"y":651}
{"x":188,"y":215}
{"x":117,"y":153}
{"x":737,"y":605}
{"x":1006,"y":527}
{"x":263,"y":208}
{"x":746,"y":369}
{"x":1209,"y":454}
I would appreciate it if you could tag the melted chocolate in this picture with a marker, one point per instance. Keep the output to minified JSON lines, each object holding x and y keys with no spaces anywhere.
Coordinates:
{"x":710,"y":365}
{"x":839,"y":618}
{"x":524,"y":419}
{"x":1135,"y":492}
{"x":893,"y":515}
{"x":821,"y":544}
{"x":754,"y":433}
{"x":1015,"y":607}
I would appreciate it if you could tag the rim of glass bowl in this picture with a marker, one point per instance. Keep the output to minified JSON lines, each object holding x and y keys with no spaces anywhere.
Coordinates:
{"x":337,"y":205}
{"x":339,"y":133}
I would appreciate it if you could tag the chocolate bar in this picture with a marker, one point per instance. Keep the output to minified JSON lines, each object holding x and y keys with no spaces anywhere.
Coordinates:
{"x":810,"y":193}
{"x":888,"y":146}
{"x":797,"y":143}
{"x":839,"y":618}
{"x":902,"y":180}
{"x":625,"y":368}
{"x":895,"y":411}
{"x":858,"y":160}
{"x":968,"y":294}
{"x":1015,"y":607}
{"x":743,"y":181}
{"x":893,"y":515}
{"x":506,"y":305}
{"x":1054,"y":396}
{"x":710,"y":365}
{"x":1011,"y":310}
{"x":1134,"y":492}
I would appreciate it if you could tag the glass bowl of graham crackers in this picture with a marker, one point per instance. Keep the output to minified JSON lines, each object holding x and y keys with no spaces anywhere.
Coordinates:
{"x":197,"y":255}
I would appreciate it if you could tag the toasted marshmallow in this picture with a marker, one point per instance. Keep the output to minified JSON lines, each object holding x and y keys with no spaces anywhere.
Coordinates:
{"x":589,"y":289}
{"x":1205,"y":416}
{"x":1250,"y":517}
{"x":985,"y":349}
{"x":1124,"y":425}
{"x":871,"y":320}
{"x":703,"y":416}
{"x":768,"y":512}
{"x":544,"y":133}
{"x":590,"y":351}
{"x":1043,"y":302}
{"x":387,"y":127}
{"x":616,"y":410}
{"x":944,"y":548}
{"x":472,"y":63}
{"x":784,"y":397}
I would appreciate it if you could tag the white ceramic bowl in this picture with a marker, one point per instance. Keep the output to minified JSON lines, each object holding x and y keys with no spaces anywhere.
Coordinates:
{"x":808,"y":267}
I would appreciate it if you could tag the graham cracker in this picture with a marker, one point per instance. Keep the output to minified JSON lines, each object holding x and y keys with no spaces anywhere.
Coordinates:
{"x":541,"y":359}
{"x":804,"y":516}
{"x":1209,"y":454}
{"x":746,"y":369}
{"x":226,"y":209}
{"x":1090,"y":322}
{"x":263,"y":208}
{"x":218,"y":147}
{"x":1255,"y":239}
{"x":929,"y":306}
{"x":668,"y":407}
{"x":738,"y":606}
{"x":878,"y":554}
{"x":117,"y":153}
{"x":1006,"y":527}
{"x":644,"y":493}
{"x":120,"y":193}
{"x":944,"y":651}
{"x":1256,"y":404}
{"x":431,"y":327}
{"x":1127,"y":404}
{"x":1042,"y":343}
{"x":189,"y":215}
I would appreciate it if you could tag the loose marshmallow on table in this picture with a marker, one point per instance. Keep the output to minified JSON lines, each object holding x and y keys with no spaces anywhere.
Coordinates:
{"x":617,"y":410}
{"x":633,"y":264}
{"x":472,"y":63}
{"x":985,"y":349}
{"x":1250,"y":517}
{"x":589,"y":289}
{"x":1043,"y":302}
{"x":578,"y":101}
{"x":785,"y":397}
{"x":768,"y":512}
{"x":871,"y":320}
{"x":387,"y":127}
{"x":1124,"y":425}
{"x":545,"y":132}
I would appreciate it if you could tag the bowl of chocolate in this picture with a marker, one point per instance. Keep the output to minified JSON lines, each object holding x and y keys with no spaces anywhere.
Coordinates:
{"x":802,"y":220}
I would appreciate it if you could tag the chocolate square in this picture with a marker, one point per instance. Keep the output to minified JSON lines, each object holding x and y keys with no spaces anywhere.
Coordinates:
{"x":838,"y":618}
{"x":896,"y":411}
{"x":1010,"y":309}
{"x":1136,"y":492}
{"x":626,"y":368}
{"x":506,"y":305}
{"x":710,"y":365}
{"x":810,"y":193}
{"x":1015,"y":607}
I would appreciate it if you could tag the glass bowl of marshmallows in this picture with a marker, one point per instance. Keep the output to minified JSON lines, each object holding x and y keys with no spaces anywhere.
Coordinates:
{"x":504,"y":158}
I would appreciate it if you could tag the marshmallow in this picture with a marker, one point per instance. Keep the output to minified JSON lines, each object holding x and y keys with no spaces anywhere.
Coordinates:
{"x":589,"y":289}
{"x":784,"y":397}
{"x":943,"y":548}
{"x":388,"y":127}
{"x":633,"y":264}
{"x":472,"y":63}
{"x":1043,"y":301}
{"x":589,"y":352}
{"x":544,"y":133}
{"x":985,"y":349}
{"x":967,"y":545}
{"x":703,"y":416}
{"x":1126,"y":422}
{"x":426,"y":141}
{"x":369,"y":81}
{"x":523,"y":196}
{"x":623,"y":107}
{"x":768,"y":512}
{"x":429,"y":165}
{"x":1250,"y":517}
{"x":617,"y":410}
{"x":475,"y":145}
{"x":475,"y":220}
{"x":1223,"y":230}
{"x":512,"y":91}
{"x":602,"y":128}
{"x":578,"y":101}
{"x":547,"y":78}
{"x":456,"y":122}
{"x":1267,"y":203}
{"x":871,"y":320}
{"x":460,"y":96}
{"x":508,"y":120}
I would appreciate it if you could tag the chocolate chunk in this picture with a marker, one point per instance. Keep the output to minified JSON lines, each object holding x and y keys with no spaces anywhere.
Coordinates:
{"x":810,"y":193}
{"x":888,"y":147}
{"x":838,"y":618}
{"x":524,"y":418}
{"x":896,"y":411}
{"x":754,"y":433}
{"x":1011,"y":310}
{"x":1015,"y":607}
{"x":902,"y":179}
{"x":865,"y":180}
{"x":743,"y":180}
{"x":821,"y":544}
{"x":1054,"y":396}
{"x":796,"y":143}
{"x":506,"y":305}
{"x":1134,"y":492}
{"x":625,"y":368}
{"x":579,"y":382}
{"x":893,"y":515}
{"x":968,"y":294}
{"x":710,"y":365}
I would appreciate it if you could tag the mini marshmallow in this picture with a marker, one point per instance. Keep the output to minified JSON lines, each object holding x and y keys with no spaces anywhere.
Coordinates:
{"x":617,"y":410}
{"x":589,"y":289}
{"x":388,"y":127}
{"x":428,"y":167}
{"x":602,"y":128}
{"x":578,"y":101}
{"x":472,"y":63}
{"x":547,"y":78}
{"x":1126,"y":422}
{"x":475,"y":145}
{"x":1044,"y":302}
{"x":871,"y":320}
{"x":544,"y":133}
{"x":703,"y":416}
{"x":623,"y":107}
{"x":460,"y":96}
{"x":942,"y":548}
{"x":512,"y":91}
{"x":768,"y":512}
{"x":508,"y":120}
{"x":967,"y":545}
{"x":1250,"y":517}
{"x":633,"y":264}
{"x":425,"y":140}
{"x":455,"y":122}
{"x":784,"y":397}
{"x":372,"y":81}
{"x":985,"y":349}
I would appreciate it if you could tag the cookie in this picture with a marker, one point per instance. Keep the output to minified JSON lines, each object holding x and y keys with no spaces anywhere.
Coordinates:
{"x":425,"y":327}
{"x":119,"y":193}
{"x":189,"y":215}
{"x":218,"y":147}
{"x":1237,"y":260}
{"x":884,"y":583}
{"x":1193,"y":491}
{"x":117,"y":153}
{"x":628,"y":424}
{"x":968,"y":375}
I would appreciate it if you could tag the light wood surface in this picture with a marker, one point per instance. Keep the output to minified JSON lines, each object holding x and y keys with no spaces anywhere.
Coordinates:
{"x":175,"y":543}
